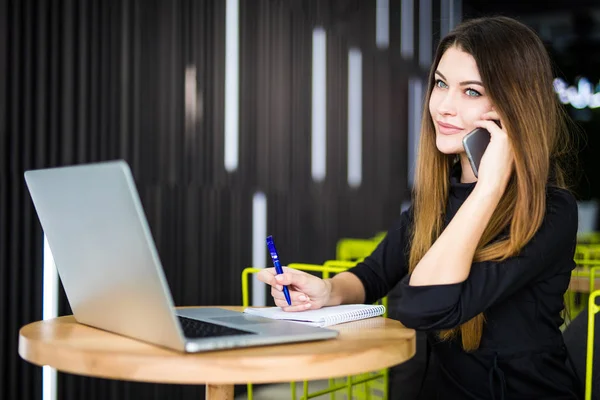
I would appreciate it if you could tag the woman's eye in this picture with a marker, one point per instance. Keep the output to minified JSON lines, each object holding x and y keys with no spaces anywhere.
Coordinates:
{"x":440,"y":83}
{"x":472,"y":93}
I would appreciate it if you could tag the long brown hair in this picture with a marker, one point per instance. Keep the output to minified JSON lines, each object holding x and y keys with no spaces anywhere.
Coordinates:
{"x":517,"y":74}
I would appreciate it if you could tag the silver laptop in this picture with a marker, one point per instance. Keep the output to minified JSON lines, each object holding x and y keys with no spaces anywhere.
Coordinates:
{"x":113,"y":278}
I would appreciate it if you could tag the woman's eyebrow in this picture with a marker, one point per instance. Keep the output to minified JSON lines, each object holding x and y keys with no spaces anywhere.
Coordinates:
{"x":464,"y":83}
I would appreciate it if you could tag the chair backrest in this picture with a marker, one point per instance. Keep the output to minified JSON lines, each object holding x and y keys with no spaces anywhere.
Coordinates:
{"x":593,"y":309}
{"x":587,"y":252}
{"x":588,"y":237}
{"x":379,"y":236}
{"x":330,"y":267}
{"x":349,"y":249}
{"x":369,"y":386}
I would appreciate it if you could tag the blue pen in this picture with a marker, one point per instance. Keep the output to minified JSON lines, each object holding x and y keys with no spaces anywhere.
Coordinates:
{"x":278,"y":268}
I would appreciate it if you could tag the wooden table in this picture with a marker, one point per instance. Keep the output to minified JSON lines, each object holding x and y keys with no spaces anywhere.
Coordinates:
{"x":580,"y":280}
{"x":581,"y":284}
{"x":362,"y":346}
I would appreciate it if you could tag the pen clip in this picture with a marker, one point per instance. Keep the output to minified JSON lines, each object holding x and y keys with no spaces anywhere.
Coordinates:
{"x":272,"y":249}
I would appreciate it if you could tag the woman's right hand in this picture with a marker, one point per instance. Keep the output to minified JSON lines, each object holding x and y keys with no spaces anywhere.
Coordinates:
{"x":307,"y":292}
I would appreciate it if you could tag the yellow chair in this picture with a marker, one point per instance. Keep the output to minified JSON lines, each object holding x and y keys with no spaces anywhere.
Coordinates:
{"x":588,"y":237}
{"x":587,"y":256}
{"x":593,"y":309}
{"x":379,"y":380}
{"x":349,"y":249}
{"x":370,"y":386}
{"x":578,"y":301}
{"x":352,"y":250}
{"x":575,"y":301}
{"x":587,"y":251}
{"x":379,"y":236}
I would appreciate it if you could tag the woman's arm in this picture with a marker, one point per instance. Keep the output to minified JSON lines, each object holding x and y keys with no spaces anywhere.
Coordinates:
{"x":449,"y":259}
{"x":548,"y":254}
{"x":367,"y":282}
{"x":345,"y":288}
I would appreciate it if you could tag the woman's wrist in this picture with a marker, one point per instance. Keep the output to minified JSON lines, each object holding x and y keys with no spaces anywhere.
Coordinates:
{"x":489,"y":192}
{"x":333,"y":299}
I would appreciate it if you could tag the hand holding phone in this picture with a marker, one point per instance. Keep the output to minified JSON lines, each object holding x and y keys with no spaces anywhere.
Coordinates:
{"x":490,"y":139}
{"x":475,"y":143}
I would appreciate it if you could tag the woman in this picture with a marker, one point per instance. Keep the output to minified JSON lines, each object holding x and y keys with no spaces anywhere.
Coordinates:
{"x":481,"y":264}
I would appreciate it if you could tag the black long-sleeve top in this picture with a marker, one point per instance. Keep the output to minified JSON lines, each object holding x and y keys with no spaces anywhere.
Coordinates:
{"x":522,"y":354}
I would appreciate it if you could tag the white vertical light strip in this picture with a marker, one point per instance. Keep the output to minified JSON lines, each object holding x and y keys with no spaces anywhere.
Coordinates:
{"x":415,"y":102}
{"x":407,"y":49}
{"x":49,"y":310}
{"x":319,"y":104}
{"x":354,"y":117}
{"x":382,"y":24}
{"x":455,"y":13}
{"x":259,"y":245}
{"x":190,"y":99}
{"x":425,"y":39}
{"x":231,"y":84}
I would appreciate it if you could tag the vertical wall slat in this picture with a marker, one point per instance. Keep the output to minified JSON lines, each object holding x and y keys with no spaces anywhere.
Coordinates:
{"x":4,"y":40}
{"x":81,"y":76}
{"x":14,"y":102}
{"x":68,"y":141}
{"x":11,"y":367}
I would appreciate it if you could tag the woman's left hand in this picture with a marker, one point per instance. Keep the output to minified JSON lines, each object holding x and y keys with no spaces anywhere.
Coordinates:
{"x":497,"y":162}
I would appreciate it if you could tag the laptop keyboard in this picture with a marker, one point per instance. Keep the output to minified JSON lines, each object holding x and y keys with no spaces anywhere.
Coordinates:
{"x":192,"y":328}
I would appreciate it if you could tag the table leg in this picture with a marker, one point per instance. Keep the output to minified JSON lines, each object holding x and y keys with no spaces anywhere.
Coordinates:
{"x":219,"y":392}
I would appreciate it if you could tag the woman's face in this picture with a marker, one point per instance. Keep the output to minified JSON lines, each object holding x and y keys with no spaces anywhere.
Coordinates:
{"x":458,"y":100}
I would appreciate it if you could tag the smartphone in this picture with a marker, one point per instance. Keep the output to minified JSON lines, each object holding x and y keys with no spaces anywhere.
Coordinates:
{"x":475,"y":143}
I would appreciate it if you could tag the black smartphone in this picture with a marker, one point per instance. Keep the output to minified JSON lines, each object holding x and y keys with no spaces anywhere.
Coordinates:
{"x":475,"y":143}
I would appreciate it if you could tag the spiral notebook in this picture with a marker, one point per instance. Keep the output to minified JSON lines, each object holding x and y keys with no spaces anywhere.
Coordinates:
{"x":322,"y":317}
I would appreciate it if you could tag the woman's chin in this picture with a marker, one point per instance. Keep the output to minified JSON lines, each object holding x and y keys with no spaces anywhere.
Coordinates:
{"x":449,"y":146}
{"x":450,"y":149}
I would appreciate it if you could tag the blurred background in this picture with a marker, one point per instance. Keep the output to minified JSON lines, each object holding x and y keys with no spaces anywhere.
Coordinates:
{"x":239,"y":118}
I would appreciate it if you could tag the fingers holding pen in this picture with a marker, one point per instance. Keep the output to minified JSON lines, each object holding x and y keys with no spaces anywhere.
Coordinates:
{"x":302,"y":287}
{"x":270,"y":276}
{"x":300,"y":301}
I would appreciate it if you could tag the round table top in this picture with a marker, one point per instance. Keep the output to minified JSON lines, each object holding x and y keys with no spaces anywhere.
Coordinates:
{"x":581,"y":283}
{"x":362,"y":346}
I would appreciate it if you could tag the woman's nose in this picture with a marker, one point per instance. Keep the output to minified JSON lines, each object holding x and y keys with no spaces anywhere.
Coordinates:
{"x":447,"y":105}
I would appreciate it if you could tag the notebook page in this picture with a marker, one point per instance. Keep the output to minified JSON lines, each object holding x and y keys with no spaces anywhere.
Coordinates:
{"x":321,"y":317}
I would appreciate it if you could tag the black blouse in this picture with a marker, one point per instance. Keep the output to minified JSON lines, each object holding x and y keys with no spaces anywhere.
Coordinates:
{"x":522,"y":354}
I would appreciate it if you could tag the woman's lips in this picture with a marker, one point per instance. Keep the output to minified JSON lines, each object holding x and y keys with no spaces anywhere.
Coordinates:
{"x":448,"y":129}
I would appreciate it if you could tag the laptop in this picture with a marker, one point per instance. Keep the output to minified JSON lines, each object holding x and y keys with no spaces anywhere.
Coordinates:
{"x":111,"y":272}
